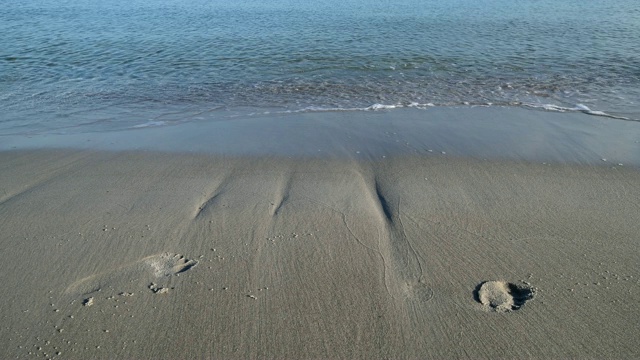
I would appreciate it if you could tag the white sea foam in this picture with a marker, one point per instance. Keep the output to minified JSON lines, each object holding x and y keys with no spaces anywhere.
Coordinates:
{"x":374,"y":107}
{"x":579,"y":107}
{"x":150,"y":124}
{"x":383,"y":107}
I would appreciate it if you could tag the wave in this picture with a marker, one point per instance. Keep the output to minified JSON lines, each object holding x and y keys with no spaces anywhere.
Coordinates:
{"x":578,"y":108}
{"x":382,"y":107}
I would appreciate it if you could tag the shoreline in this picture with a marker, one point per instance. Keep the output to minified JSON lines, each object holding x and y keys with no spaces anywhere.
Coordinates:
{"x":466,"y":132}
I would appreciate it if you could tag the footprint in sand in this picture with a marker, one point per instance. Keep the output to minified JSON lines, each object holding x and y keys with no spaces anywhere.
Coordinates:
{"x":417,"y":291}
{"x":501,"y":296}
{"x":155,"y":267}
{"x":169,"y":264}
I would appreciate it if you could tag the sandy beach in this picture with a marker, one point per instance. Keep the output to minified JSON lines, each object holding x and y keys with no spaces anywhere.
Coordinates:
{"x":423,"y":241}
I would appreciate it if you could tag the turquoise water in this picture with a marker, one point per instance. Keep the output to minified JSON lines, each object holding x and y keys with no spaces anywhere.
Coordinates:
{"x":81,"y":66}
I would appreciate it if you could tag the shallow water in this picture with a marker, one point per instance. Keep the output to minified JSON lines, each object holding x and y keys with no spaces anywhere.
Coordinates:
{"x":82,"y":66}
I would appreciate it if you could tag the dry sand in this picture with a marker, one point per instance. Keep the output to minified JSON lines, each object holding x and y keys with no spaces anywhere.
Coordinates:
{"x":159,"y":255}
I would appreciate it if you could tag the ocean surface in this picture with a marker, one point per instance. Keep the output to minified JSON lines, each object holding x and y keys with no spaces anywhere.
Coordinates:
{"x":76,"y":66}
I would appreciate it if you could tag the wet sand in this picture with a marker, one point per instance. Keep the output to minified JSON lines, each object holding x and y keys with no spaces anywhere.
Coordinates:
{"x":374,"y":254}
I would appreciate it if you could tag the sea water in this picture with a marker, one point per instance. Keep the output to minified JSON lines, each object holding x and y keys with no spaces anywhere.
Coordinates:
{"x":75,"y":66}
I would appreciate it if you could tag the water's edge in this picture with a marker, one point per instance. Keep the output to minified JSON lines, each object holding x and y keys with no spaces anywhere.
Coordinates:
{"x":478,"y":132}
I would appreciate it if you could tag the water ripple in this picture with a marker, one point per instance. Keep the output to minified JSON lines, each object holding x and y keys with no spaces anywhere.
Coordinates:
{"x":78,"y":62}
